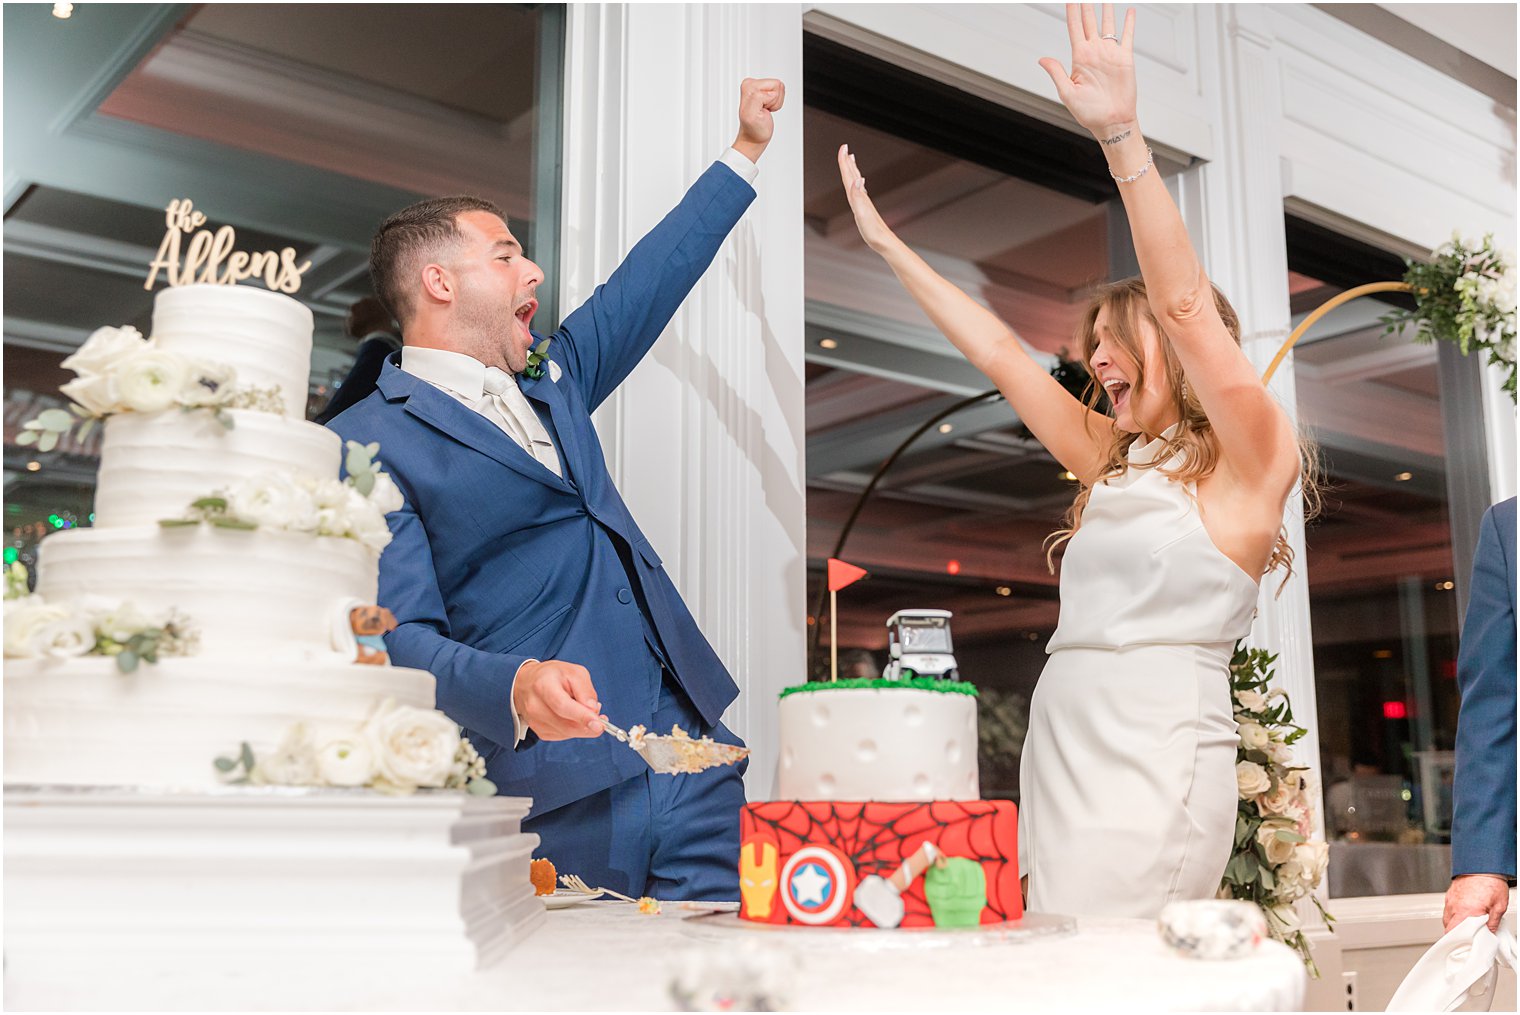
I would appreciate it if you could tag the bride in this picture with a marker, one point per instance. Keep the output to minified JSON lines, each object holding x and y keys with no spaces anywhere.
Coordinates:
{"x":1128,"y":791}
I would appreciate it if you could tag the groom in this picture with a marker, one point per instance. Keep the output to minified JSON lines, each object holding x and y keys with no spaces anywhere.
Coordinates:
{"x":517,"y":574}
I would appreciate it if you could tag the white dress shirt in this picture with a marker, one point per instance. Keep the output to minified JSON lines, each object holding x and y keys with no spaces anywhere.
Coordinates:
{"x":495,"y":395}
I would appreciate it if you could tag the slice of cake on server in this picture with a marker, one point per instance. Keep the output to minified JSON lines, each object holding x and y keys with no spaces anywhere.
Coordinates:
{"x":213,"y":776}
{"x":879,"y":821}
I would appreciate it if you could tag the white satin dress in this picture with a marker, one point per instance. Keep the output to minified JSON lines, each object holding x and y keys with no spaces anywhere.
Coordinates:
{"x":1127,"y":778}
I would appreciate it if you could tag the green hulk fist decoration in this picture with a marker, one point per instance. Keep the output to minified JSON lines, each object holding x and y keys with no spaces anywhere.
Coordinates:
{"x":957,"y":890}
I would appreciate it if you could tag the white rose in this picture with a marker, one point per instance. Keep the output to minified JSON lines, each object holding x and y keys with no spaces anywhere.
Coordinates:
{"x":23,"y":619}
{"x":150,"y":381}
{"x":367,"y":525}
{"x":1251,"y":701}
{"x":1283,"y":919}
{"x":293,"y":763}
{"x":1278,"y":851}
{"x":1253,"y":737}
{"x":104,"y":348}
{"x":95,"y":393}
{"x":1251,"y":779}
{"x":207,"y":384}
{"x":385,"y":495}
{"x":346,"y":762}
{"x":275,"y":500}
{"x":1276,"y":801}
{"x":331,"y":493}
{"x":412,"y":746}
{"x":65,"y":638}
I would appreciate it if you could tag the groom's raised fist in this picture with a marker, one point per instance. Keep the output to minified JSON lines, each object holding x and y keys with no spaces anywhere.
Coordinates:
{"x":758,"y":99}
{"x":557,"y":700}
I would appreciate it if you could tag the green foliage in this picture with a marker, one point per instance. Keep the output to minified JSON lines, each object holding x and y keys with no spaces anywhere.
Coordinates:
{"x":361,"y":466}
{"x":879,"y":683}
{"x":536,"y":360}
{"x":17,"y":581}
{"x":1463,"y":295}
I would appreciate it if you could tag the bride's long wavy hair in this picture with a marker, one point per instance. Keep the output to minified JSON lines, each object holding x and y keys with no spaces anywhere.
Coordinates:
{"x":1192,"y":452}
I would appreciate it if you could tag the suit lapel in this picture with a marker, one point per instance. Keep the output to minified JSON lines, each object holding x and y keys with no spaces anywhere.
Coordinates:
{"x":463,"y":424}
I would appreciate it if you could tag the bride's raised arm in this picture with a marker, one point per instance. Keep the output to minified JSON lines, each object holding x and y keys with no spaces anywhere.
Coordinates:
{"x":1256,"y":440}
{"x":1072,"y":433}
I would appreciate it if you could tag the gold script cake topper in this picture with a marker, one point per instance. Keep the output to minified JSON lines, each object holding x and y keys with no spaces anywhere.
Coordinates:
{"x":210,"y":257}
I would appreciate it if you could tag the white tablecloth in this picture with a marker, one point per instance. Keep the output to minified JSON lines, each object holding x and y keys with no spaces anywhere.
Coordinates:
{"x":602,"y":956}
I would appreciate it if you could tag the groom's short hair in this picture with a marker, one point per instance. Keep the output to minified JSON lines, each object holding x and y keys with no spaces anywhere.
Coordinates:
{"x":411,"y":234}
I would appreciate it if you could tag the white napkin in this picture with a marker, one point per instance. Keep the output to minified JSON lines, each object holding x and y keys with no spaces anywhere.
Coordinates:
{"x":1459,"y":971}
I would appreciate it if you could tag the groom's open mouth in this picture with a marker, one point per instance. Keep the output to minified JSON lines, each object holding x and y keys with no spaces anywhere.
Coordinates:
{"x":525,"y":313}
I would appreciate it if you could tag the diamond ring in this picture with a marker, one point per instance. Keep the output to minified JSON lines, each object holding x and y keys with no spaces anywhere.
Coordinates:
{"x":1110,"y":38}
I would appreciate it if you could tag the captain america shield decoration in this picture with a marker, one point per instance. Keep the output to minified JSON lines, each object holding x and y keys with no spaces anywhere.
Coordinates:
{"x":817,"y":882}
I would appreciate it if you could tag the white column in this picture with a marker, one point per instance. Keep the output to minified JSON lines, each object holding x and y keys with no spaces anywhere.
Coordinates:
{"x":1245,"y":250}
{"x":705,"y":439}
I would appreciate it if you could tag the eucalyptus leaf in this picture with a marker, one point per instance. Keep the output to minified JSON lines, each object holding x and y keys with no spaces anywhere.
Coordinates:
{"x":1268,"y":881}
{"x":225,"y":522}
{"x":47,"y":442}
{"x":226,"y":419}
{"x":1288,"y":835}
{"x":1242,"y":830}
{"x":86,"y":427}
{"x":481,"y":787}
{"x":245,"y":755}
{"x":56,"y":419}
{"x":225,"y":764}
{"x":126,"y":662}
{"x":177,"y":523}
{"x":210,"y":504}
{"x":27,"y":437}
{"x":364,"y":482}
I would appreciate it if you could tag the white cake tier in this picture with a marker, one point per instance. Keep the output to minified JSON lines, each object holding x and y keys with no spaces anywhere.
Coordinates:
{"x":154,"y":464}
{"x":264,"y":336}
{"x":892,"y":744}
{"x":82,"y":722}
{"x":276,"y":596}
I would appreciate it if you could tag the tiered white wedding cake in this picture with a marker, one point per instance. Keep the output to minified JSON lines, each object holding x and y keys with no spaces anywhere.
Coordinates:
{"x":208,"y":608}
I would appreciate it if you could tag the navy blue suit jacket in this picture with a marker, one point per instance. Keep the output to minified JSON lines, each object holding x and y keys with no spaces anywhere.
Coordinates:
{"x":495,"y":560}
{"x":1483,"y":793}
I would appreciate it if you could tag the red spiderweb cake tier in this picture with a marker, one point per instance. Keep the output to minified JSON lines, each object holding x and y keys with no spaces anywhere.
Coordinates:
{"x":870,"y":864}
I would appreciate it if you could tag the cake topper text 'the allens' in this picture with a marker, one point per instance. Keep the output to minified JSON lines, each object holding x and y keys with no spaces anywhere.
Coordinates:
{"x":210,"y":257}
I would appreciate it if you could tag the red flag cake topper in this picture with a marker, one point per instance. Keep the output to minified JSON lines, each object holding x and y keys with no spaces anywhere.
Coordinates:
{"x":842,"y":574}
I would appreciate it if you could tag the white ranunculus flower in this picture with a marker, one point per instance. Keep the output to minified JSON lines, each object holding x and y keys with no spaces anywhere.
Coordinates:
{"x":1277,"y":850}
{"x":151,"y":380}
{"x":24,"y":618}
{"x":207,"y":384}
{"x":367,"y":525}
{"x":275,"y":500}
{"x":413,"y":746}
{"x":293,"y":763}
{"x":1251,"y":779}
{"x":95,"y":393}
{"x":1279,"y":752}
{"x":331,"y":493}
{"x":1313,"y":857}
{"x":349,"y":761}
{"x":104,"y":349}
{"x":64,"y":638}
{"x":385,"y":495}
{"x":1253,"y":736}
{"x":1251,"y":701}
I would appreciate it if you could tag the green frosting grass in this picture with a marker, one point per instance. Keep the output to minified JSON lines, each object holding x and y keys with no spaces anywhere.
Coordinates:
{"x":916,"y":683}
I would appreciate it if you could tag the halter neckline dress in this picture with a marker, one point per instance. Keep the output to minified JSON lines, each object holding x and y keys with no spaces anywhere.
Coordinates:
{"x":1127,"y":777}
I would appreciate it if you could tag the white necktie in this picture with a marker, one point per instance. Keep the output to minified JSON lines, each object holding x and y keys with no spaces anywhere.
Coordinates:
{"x":522,"y":422}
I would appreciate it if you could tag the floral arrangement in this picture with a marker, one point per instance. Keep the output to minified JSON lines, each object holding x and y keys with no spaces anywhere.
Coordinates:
{"x":398,"y":750}
{"x":537,"y":357}
{"x":1466,"y":295}
{"x":120,"y":371}
{"x":351,"y":508}
{"x":92,"y":625}
{"x":1274,"y":864}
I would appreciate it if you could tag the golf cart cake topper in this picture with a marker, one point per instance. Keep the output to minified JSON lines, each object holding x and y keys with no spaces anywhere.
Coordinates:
{"x":210,"y":258}
{"x":919,"y":643}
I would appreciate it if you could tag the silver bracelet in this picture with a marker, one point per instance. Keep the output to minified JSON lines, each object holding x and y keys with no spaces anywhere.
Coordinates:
{"x":1116,"y":138}
{"x":1150,"y":160}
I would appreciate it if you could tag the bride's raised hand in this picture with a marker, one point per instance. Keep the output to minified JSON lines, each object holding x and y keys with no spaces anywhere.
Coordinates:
{"x":868,"y":220}
{"x":1100,"y":90}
